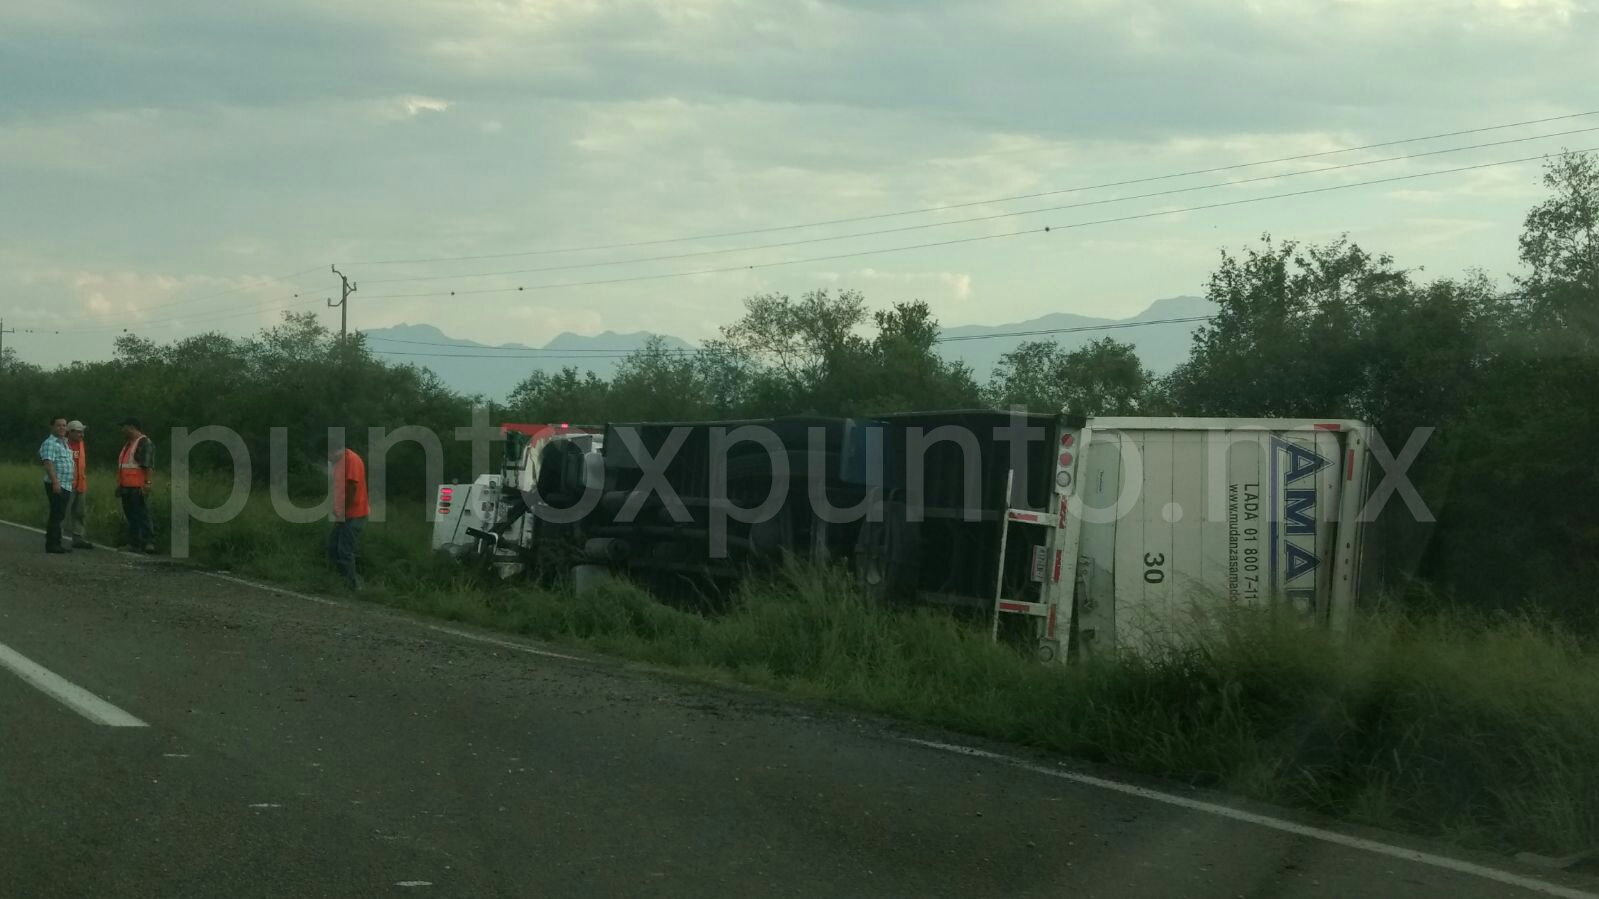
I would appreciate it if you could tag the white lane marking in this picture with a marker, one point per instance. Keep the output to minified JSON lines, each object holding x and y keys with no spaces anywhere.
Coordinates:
{"x":1315,"y":833}
{"x":414,"y":883}
{"x":265,"y":805}
{"x":454,"y":632}
{"x":443,"y":629}
{"x":174,"y":755}
{"x":270,"y":589}
{"x":505,"y":644}
{"x":29,"y":527}
{"x":66,"y":692}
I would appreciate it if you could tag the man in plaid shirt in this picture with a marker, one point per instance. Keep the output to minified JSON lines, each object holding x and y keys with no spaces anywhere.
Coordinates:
{"x":56,"y":457}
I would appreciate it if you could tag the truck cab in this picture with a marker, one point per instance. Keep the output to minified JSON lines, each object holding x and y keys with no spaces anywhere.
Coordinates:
{"x":487,"y":519}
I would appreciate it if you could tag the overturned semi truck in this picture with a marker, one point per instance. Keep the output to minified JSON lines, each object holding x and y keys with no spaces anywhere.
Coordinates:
{"x":1086,"y":535}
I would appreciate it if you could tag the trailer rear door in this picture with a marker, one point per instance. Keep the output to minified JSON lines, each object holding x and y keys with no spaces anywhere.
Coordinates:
{"x":1185,"y":516}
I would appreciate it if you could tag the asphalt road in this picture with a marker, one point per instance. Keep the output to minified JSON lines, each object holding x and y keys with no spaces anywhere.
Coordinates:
{"x":302,"y":748}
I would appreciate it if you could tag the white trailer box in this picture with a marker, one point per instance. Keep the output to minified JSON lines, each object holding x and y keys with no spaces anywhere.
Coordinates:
{"x":1184,"y":515}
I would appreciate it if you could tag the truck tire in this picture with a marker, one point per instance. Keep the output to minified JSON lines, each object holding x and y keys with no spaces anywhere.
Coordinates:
{"x":586,"y":577}
{"x":885,"y":557}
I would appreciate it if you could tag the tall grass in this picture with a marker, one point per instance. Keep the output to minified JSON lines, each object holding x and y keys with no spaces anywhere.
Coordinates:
{"x":257,"y":542}
{"x":1484,"y":732}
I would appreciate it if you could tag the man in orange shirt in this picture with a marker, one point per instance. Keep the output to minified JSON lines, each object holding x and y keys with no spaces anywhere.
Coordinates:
{"x":77,"y":510}
{"x":348,"y":495}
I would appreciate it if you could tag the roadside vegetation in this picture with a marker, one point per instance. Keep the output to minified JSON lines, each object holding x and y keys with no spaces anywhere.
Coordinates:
{"x":1465,"y":705}
{"x":1479,"y":729}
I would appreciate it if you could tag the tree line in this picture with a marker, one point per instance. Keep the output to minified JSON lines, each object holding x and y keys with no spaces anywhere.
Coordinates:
{"x":1506,"y":372}
{"x":296,"y":375}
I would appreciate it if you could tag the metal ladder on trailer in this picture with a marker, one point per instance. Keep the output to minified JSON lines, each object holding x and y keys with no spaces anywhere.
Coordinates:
{"x":1052,"y":612}
{"x":1003,"y":605}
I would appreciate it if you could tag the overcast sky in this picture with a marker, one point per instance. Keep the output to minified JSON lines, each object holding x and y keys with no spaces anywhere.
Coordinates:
{"x":162,"y":162}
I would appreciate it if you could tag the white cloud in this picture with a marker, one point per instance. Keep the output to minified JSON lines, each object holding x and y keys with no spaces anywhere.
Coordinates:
{"x":411,"y":107}
{"x":1422,"y":231}
{"x":947,"y":285}
{"x":126,"y":298}
{"x":649,"y":119}
{"x":57,"y":15}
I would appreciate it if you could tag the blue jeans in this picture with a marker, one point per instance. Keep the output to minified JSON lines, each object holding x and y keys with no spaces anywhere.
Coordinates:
{"x":341,"y":548}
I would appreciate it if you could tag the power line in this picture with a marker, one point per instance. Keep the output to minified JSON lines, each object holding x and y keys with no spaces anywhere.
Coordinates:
{"x":619,"y":352}
{"x":1046,"y":229}
{"x":1029,"y":196}
{"x":1110,"y":326}
{"x":856,"y":254}
{"x":515,"y":357}
{"x":1074,"y":330}
{"x":277,"y":279}
{"x":120,"y":323}
{"x":509,"y":349}
{"x":975,"y":219}
{"x":282,"y":303}
{"x":295,"y":300}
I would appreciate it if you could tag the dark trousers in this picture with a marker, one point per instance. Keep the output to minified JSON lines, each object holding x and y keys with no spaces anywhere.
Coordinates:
{"x":137,"y":511}
{"x":341,"y":548}
{"x":59,"y":502}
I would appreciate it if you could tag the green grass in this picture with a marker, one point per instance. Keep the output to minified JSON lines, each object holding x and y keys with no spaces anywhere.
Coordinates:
{"x":1482,"y":732}
{"x":257,"y":542}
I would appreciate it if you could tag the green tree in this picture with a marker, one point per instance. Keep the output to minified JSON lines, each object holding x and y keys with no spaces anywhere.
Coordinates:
{"x":563,"y":396}
{"x":1560,"y":247}
{"x":660,"y":383}
{"x":1525,"y":514}
{"x":1103,"y":377}
{"x":805,"y":351}
{"x":810,"y":356}
{"x":901,"y":370}
{"x":1289,"y":338}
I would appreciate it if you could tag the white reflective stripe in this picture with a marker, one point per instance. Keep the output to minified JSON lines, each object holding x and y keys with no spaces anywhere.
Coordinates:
{"x":129,"y":455}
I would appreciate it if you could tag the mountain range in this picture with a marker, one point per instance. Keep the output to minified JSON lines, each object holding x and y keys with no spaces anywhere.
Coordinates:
{"x":493,"y":370}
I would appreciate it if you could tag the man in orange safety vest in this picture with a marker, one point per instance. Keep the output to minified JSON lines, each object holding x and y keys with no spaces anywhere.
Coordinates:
{"x":133,"y":484}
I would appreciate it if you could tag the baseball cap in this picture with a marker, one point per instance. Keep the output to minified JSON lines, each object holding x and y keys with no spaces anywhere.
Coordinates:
{"x":74,"y":425}
{"x":130,"y":421}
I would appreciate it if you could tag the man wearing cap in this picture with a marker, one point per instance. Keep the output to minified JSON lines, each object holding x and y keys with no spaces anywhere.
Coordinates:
{"x":57,"y":461}
{"x":133,"y":484}
{"x":77,"y":510}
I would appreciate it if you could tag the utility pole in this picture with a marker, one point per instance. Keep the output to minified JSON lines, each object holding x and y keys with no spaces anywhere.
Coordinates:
{"x":3,"y":333}
{"x":343,"y":303}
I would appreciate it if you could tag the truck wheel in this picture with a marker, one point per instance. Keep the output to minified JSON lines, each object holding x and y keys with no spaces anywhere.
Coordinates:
{"x":885,"y":554}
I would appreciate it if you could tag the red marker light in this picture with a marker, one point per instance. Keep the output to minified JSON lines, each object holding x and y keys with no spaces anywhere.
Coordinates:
{"x":1065,"y":440}
{"x":446,"y":492}
{"x":1065,"y":458}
